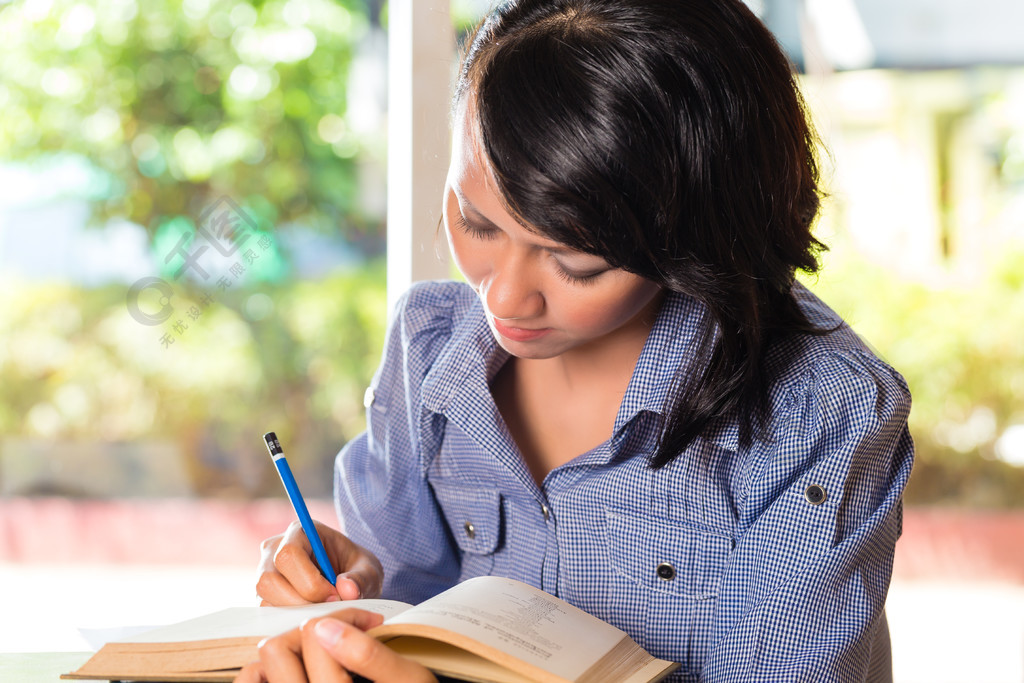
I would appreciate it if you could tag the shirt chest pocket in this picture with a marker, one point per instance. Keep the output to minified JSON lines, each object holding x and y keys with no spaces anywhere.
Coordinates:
{"x":667,"y":556}
{"x":474,"y":518}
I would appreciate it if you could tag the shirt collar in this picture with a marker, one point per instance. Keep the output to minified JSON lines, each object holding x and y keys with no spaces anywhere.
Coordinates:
{"x":667,"y":357}
{"x":470,"y":360}
{"x":462,"y":373}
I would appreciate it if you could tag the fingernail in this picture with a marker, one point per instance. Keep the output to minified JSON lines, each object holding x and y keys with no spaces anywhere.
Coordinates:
{"x":333,"y":598}
{"x":328,"y":632}
{"x":355,"y":587}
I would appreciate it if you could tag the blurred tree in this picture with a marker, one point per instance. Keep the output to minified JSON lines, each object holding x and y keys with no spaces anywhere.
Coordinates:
{"x":184,"y":101}
{"x":182,"y":105}
{"x":78,"y":373}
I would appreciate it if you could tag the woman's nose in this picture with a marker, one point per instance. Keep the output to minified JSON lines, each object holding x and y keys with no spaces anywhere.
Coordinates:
{"x":512,"y":291}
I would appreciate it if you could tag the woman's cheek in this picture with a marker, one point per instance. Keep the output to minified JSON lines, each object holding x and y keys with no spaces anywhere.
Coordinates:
{"x":468,"y":261}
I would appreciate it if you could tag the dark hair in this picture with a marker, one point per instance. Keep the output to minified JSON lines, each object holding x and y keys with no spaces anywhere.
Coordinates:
{"x":668,"y":137}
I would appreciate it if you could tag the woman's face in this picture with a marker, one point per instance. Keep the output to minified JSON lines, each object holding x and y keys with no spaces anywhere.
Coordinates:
{"x":542,"y":299}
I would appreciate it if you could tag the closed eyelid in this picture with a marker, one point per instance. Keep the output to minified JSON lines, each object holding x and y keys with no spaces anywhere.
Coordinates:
{"x":583,"y":273}
{"x":472,"y":218}
{"x":587,"y":267}
{"x":477,"y":221}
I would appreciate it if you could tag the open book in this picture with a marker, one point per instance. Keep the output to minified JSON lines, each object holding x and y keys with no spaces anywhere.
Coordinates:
{"x":488,"y":629}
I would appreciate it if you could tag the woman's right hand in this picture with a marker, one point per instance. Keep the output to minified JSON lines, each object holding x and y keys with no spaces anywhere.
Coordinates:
{"x":289,"y":574}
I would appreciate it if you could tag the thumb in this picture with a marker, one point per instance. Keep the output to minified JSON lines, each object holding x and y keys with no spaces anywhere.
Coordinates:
{"x":361,"y":654}
{"x":362,"y":578}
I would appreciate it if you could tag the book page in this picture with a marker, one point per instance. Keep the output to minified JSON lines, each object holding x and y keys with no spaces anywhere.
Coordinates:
{"x":244,"y":622}
{"x":517,"y":619}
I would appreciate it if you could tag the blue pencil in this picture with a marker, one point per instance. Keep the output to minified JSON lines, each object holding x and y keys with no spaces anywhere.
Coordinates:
{"x":277,"y":453}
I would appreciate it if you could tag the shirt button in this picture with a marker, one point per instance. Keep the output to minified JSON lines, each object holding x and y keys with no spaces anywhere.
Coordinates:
{"x":368,"y":397}
{"x":815,"y":495}
{"x":470,"y":529}
{"x":544,"y":511}
{"x":666,"y":571}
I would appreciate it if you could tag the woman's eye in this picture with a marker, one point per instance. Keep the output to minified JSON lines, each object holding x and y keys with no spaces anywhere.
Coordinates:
{"x":578,"y":278}
{"x":474,"y":231}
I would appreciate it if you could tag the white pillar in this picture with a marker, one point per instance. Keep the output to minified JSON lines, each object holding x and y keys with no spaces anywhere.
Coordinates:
{"x":420,"y":52}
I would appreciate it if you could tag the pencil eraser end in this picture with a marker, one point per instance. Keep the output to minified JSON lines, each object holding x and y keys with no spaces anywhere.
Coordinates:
{"x":273,"y":445}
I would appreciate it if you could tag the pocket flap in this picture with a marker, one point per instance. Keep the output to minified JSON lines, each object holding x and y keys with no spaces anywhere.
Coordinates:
{"x":473,"y":514}
{"x":666,"y":555}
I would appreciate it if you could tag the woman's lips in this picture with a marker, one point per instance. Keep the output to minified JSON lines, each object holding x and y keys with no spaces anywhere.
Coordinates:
{"x":519,"y":334}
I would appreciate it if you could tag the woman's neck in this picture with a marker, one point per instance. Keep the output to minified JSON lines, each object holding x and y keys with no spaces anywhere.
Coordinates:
{"x":558,"y":408}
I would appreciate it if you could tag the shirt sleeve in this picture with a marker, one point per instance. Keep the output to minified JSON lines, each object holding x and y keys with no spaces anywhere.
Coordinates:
{"x":803,"y":594}
{"x":382,"y":498}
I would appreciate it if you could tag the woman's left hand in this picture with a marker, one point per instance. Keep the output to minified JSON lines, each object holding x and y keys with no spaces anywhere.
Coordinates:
{"x":332,"y":648}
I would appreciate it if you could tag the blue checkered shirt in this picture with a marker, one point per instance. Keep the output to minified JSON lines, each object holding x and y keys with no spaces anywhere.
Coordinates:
{"x":761,"y":563}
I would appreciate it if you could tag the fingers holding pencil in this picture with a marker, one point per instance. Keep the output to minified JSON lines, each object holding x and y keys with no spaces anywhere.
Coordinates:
{"x":312,"y":562}
{"x":289,"y":574}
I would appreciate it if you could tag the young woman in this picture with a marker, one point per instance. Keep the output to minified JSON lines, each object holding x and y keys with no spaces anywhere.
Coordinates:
{"x":631,"y":404}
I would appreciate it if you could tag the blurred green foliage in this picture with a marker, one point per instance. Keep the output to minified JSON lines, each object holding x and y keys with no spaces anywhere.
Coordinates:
{"x":294,"y":358}
{"x":183,"y":101}
{"x":175,"y":105}
{"x":961,"y":350}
